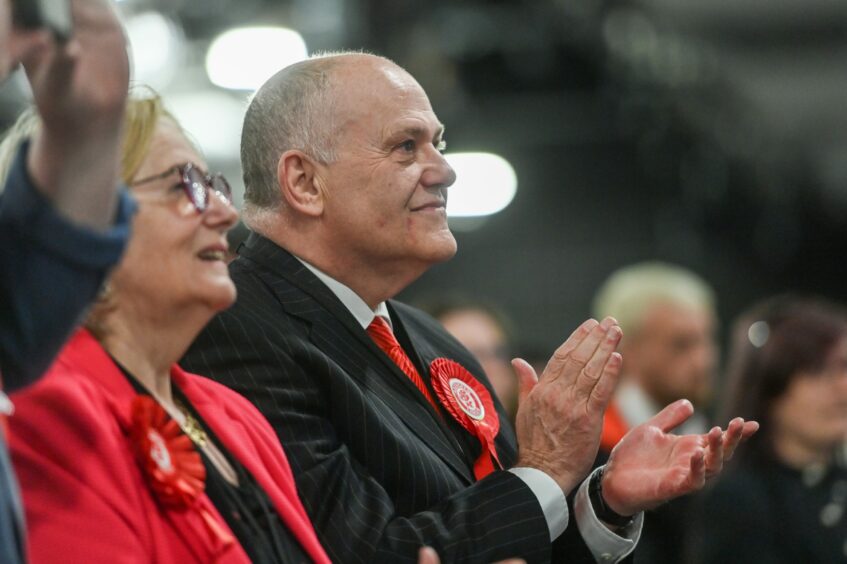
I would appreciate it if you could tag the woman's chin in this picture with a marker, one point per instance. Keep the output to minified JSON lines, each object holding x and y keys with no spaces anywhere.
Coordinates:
{"x":222,"y":297}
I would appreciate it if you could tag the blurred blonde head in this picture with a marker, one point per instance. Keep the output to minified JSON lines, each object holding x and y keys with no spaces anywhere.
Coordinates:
{"x":630,"y":292}
{"x":667,"y":315}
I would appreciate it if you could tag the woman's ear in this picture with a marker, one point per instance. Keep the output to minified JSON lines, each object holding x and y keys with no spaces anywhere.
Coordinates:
{"x":299,"y":185}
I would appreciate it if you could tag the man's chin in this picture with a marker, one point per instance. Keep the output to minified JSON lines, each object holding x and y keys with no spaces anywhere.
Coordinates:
{"x":445,"y":249}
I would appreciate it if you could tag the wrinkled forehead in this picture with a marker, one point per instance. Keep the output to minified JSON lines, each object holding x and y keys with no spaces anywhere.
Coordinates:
{"x":372,"y":98}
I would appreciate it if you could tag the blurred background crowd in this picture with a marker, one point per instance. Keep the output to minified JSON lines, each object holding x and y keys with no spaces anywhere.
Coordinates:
{"x":674,"y":164}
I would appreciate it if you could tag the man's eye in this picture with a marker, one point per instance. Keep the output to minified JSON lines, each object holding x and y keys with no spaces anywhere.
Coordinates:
{"x":408,"y":146}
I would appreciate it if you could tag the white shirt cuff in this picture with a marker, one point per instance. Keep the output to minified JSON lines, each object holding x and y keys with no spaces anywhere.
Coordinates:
{"x":550,"y":497}
{"x":605,"y":545}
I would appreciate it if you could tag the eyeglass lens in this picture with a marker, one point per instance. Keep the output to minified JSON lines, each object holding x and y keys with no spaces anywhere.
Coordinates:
{"x":198,"y":185}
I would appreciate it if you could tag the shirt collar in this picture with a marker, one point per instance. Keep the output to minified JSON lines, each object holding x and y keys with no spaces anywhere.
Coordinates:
{"x":356,"y":305}
{"x":636,"y":407}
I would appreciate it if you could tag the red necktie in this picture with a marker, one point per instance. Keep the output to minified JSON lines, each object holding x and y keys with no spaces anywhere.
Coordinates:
{"x":381,"y":333}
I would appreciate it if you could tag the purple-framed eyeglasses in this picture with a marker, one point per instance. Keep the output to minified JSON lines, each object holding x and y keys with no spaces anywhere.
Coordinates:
{"x":196,"y":184}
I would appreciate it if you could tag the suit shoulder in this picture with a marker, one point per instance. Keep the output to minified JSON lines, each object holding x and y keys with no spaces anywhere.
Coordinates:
{"x":66,"y":417}
{"x":62,"y":392}
{"x":420,"y":323}
{"x":412,"y":316}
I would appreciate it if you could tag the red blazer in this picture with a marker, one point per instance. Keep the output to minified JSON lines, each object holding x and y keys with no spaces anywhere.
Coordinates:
{"x":85,"y":496}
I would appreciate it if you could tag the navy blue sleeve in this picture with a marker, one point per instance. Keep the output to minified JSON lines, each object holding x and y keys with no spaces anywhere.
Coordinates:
{"x":50,"y":271}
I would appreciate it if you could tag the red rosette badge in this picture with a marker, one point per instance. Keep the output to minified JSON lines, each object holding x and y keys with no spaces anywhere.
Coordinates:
{"x":171,"y":465}
{"x":469,"y":403}
{"x":167,"y":457}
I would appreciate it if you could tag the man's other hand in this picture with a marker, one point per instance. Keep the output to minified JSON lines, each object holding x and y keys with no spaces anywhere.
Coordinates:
{"x":650,"y":466}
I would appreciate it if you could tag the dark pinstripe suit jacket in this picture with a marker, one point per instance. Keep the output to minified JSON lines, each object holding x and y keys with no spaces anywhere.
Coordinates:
{"x":379,"y":472}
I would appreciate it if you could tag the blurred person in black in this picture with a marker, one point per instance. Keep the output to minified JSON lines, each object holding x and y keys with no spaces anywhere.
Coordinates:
{"x":668,"y":317}
{"x":63,"y":221}
{"x":485,"y":332}
{"x":783,"y":499}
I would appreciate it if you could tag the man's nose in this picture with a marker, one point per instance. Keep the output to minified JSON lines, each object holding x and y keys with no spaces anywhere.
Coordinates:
{"x":439,"y":173}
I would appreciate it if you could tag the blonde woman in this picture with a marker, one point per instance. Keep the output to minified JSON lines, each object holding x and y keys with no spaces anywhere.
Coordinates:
{"x":123,"y":456}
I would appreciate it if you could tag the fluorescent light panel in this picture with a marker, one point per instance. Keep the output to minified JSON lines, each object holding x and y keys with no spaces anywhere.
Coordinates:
{"x":485,"y":184}
{"x":244,"y":58}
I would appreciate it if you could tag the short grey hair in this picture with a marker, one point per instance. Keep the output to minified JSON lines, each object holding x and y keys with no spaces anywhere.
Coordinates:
{"x":292,"y":110}
{"x":631,"y":291}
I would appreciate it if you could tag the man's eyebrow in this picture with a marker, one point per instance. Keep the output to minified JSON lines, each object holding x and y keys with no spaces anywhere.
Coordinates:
{"x":417,"y":131}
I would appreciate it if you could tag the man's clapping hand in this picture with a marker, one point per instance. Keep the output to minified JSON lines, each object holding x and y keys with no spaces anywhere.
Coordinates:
{"x":560,"y":414}
{"x":560,"y":417}
{"x":650,"y":465}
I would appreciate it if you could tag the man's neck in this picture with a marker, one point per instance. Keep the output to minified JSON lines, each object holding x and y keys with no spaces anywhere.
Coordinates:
{"x":373,"y":282}
{"x":363,"y":313}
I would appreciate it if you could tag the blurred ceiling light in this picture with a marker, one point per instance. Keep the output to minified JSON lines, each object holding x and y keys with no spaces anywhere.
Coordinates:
{"x":211,"y":118}
{"x":244,"y":58}
{"x":485,"y":184}
{"x":156,"y":49}
{"x":758,"y":333}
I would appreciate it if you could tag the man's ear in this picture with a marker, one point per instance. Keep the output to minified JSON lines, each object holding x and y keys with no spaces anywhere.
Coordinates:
{"x":299,"y":186}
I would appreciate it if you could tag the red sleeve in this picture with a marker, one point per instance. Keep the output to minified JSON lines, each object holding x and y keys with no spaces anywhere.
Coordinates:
{"x":76,"y":474}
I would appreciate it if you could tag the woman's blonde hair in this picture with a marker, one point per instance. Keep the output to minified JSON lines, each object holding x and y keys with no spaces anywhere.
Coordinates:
{"x":144,"y":112}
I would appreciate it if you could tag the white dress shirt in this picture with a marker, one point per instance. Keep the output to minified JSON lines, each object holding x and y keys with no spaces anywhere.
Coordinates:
{"x":605,"y":545}
{"x":636,"y":407}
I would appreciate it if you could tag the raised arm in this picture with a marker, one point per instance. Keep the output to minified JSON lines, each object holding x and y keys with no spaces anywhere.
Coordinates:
{"x":80,"y":89}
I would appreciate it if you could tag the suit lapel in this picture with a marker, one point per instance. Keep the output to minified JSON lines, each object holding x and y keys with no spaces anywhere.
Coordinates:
{"x":335,"y":331}
{"x":425,"y":352}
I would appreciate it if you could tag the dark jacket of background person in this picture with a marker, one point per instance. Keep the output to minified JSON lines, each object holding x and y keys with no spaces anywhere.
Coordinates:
{"x":766,"y":512}
{"x":82,"y":509}
{"x":50,"y":270}
{"x":770,"y":506}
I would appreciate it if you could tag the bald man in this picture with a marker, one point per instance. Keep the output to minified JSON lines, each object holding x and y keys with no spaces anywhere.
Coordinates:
{"x":391,"y":426}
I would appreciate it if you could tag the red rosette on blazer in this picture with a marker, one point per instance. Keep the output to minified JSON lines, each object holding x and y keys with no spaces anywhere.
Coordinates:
{"x":468,"y":402}
{"x":172,"y":467}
